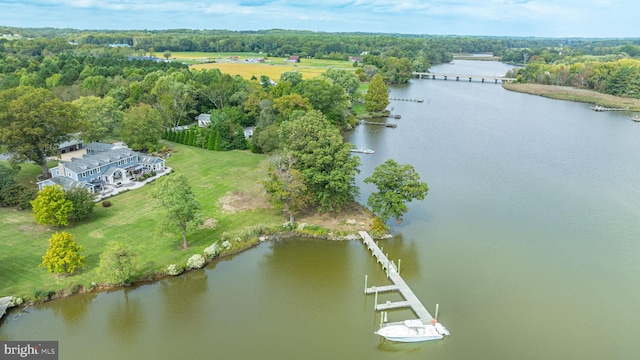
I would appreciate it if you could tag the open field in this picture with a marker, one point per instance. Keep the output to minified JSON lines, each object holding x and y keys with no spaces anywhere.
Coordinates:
{"x":575,"y":94}
{"x":225,"y":183}
{"x":273,"y":67}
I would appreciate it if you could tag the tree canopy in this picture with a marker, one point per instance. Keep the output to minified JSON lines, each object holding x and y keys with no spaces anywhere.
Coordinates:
{"x":397,"y":184}
{"x":33,"y":122}
{"x":377,"y":97}
{"x":51,"y":206}
{"x":63,"y":254}
{"x":323,"y":158}
{"x":174,"y":194}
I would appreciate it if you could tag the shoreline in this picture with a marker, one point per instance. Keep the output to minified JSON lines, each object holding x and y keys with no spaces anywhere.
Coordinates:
{"x":569,"y":93}
{"x":334,"y":234}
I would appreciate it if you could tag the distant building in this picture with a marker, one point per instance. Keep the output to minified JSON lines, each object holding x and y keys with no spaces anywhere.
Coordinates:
{"x":355,"y":58}
{"x":293,"y":58}
{"x":204,"y":120}
{"x":69,"y":146}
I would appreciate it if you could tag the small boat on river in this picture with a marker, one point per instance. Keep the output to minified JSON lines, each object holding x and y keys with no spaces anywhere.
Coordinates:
{"x":636,"y":118}
{"x":363,"y":151}
{"x":413,"y":331}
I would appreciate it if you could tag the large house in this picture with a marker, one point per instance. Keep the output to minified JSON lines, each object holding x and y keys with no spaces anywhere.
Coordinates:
{"x":103,"y":166}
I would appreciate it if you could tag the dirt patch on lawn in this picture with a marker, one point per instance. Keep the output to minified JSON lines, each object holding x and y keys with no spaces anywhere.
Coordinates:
{"x":353,"y":218}
{"x":238,"y":201}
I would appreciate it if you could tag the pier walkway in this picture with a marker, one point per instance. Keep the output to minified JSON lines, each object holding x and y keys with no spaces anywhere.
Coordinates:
{"x":411,"y":300}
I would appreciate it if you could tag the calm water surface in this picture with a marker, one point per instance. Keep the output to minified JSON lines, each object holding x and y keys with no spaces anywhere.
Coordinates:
{"x":528,"y":240}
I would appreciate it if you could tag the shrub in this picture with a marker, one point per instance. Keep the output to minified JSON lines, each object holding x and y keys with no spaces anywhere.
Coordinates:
{"x":15,"y":301}
{"x":195,"y":262}
{"x":106,"y":203}
{"x":378,"y":228}
{"x":226,"y":245}
{"x":211,"y":251}
{"x":174,"y":269}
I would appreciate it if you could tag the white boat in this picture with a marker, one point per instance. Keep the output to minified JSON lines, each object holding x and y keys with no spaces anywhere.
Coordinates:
{"x":364,"y":151}
{"x":413,"y":331}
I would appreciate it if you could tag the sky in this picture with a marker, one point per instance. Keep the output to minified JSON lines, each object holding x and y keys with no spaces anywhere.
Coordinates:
{"x":539,"y":18}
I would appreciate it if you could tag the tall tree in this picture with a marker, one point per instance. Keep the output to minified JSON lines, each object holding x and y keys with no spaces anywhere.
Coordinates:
{"x":33,"y":122}
{"x":101,"y":116}
{"x":142,"y":127}
{"x":117,"y":264}
{"x":174,"y":194}
{"x":285,"y":184}
{"x":174,"y":100}
{"x":330,"y":99}
{"x":82,"y":201}
{"x":52,"y":207}
{"x":63,"y":254}
{"x":323,"y":158}
{"x":377,"y":97}
{"x":397,"y":184}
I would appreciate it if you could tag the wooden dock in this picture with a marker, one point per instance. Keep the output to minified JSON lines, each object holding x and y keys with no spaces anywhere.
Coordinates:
{"x":406,"y":99}
{"x":379,"y":124}
{"x":602,"y":108}
{"x":410,"y":299}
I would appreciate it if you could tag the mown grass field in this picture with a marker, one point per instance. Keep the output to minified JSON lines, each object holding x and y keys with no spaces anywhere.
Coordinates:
{"x":273,"y":68}
{"x":135,"y":220}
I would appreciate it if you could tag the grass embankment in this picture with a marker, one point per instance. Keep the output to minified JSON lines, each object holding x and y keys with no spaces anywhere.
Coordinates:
{"x":225,"y":183}
{"x":273,"y":67}
{"x":574,"y":94}
{"x":135,"y":220}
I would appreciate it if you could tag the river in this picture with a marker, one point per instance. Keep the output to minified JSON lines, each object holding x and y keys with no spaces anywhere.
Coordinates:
{"x":528,"y":240}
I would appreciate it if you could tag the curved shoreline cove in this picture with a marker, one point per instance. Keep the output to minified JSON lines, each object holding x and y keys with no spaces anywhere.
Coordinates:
{"x":530,"y":220}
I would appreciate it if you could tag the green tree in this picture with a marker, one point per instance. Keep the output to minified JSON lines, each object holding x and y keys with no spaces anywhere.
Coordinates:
{"x":377,"y":97}
{"x":117,"y":264}
{"x":285,"y":184}
{"x":294,"y":77}
{"x":328,"y":98}
{"x":142,"y":127}
{"x":101,"y":116}
{"x":323,"y":158}
{"x":82,"y":201}
{"x":33,"y":122}
{"x":51,"y":206}
{"x":63,"y":254}
{"x":397,"y":184}
{"x":174,"y":194}
{"x":348,"y":80}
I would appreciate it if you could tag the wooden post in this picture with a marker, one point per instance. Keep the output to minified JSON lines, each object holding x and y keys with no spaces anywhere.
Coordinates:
{"x":399,"y":260}
{"x":375,"y":301}
{"x":365,"y":284}
{"x":436,"y":317}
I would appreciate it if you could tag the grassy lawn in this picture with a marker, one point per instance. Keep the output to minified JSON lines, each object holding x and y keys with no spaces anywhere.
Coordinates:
{"x":273,"y":68}
{"x":135,"y":220}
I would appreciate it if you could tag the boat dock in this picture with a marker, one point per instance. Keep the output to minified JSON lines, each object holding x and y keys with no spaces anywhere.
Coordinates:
{"x":411,"y":300}
{"x":406,"y":99}
{"x":379,"y":124}
{"x":602,"y":108}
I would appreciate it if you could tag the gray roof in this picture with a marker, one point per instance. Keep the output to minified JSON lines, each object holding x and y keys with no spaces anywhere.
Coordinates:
{"x":95,"y":160}
{"x":98,"y":146}
{"x":148,"y":160}
{"x":67,"y":183}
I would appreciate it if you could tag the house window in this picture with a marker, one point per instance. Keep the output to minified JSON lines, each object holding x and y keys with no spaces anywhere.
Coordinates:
{"x":91,"y":172}
{"x":98,"y":170}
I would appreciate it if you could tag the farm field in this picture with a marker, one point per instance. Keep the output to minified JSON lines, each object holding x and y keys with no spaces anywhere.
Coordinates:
{"x":273,"y":67}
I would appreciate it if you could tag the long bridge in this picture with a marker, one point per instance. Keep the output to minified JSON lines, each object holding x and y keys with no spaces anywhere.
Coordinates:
{"x":430,"y":75}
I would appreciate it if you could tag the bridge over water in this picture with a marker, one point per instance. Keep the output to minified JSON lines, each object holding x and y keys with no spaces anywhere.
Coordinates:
{"x":482,"y":78}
